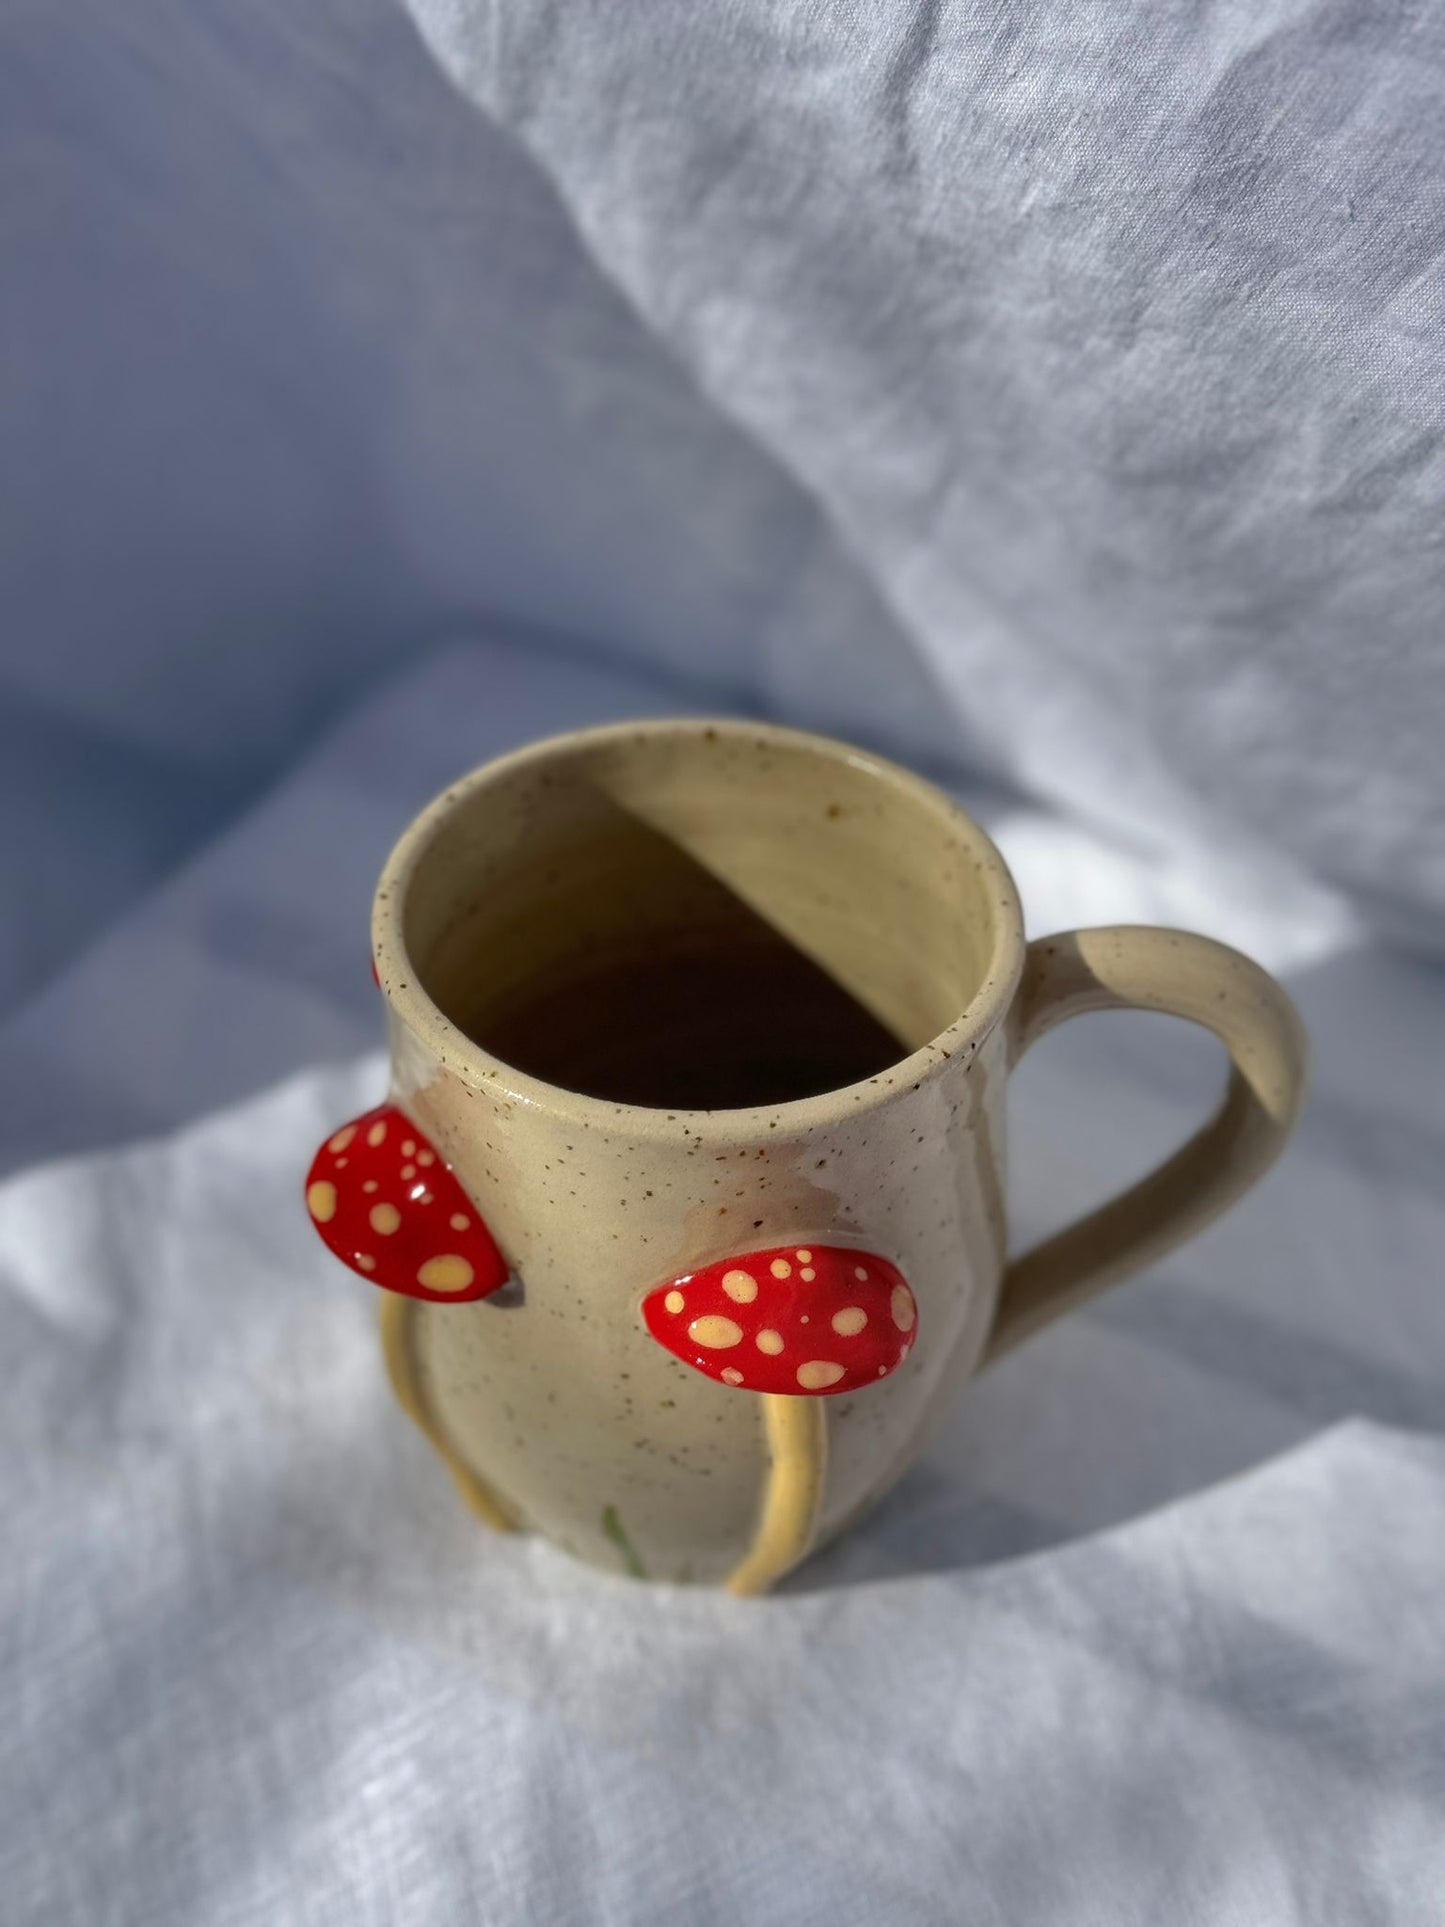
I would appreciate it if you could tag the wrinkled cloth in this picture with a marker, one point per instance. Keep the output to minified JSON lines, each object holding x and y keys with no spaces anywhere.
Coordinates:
{"x":1051,"y":391}
{"x":303,"y":368}
{"x":1152,"y":1633}
{"x":1108,"y":336}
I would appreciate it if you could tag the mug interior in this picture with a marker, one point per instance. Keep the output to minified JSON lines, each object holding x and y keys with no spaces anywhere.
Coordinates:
{"x":699,"y":915}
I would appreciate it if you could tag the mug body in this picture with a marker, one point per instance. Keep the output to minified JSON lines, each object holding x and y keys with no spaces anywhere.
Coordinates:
{"x":697,"y":841}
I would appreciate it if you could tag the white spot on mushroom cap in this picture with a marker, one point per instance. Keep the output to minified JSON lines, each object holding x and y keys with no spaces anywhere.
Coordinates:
{"x":901,"y":1306}
{"x":860,"y":1271}
{"x":805,"y":1257}
{"x":849,"y":1321}
{"x":408,"y":1171}
{"x":674,"y":1301}
{"x":716,"y":1333}
{"x":731,"y":1377}
{"x":408,"y":1147}
{"x":321,"y":1201}
{"x":459,"y":1221}
{"x":377,"y":1133}
{"x":370,"y":1186}
{"x":342,"y":1139}
{"x":780,"y":1268}
{"x":385,"y":1218}
{"x":740,"y":1286}
{"x":449,"y":1272}
{"x":366,"y":1261}
{"x":426,"y":1157}
{"x":807,"y":1274}
{"x":819,"y":1373}
{"x":769,"y":1341}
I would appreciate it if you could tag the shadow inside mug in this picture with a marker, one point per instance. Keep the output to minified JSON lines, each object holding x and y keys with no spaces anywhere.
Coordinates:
{"x":1305,"y":1306}
{"x":657,"y":983}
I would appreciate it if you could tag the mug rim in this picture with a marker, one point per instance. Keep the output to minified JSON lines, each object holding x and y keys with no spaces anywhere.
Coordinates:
{"x":424,"y":1019}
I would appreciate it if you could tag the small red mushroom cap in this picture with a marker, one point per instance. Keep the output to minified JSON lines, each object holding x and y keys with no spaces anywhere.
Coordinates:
{"x":811,"y":1320}
{"x":384,"y":1202}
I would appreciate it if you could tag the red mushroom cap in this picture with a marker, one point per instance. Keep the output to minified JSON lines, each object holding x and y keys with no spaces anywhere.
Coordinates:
{"x":384,"y":1202}
{"x":811,"y":1320}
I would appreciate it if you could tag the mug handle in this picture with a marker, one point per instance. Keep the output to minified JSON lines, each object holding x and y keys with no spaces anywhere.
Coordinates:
{"x":1139,"y":967}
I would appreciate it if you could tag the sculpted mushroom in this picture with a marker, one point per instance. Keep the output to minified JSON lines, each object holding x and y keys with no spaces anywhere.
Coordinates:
{"x":383,"y":1202}
{"x":795,"y":1323}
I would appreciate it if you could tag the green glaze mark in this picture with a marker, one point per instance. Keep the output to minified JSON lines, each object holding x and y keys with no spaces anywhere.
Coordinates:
{"x":612,"y":1529}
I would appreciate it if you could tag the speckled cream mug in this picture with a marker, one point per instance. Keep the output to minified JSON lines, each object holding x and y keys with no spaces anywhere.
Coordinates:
{"x":692,"y":1341}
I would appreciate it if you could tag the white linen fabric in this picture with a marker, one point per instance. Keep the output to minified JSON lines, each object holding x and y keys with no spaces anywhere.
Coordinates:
{"x":304,"y":367}
{"x":1053,"y":391}
{"x":1153,"y":1633}
{"x":1107,"y":335}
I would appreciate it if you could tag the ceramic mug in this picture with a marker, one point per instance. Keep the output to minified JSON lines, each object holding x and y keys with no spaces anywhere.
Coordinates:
{"x":693,"y":1341}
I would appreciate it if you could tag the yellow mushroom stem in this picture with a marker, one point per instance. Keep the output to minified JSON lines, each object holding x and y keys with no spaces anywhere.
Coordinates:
{"x":793,"y":1500}
{"x":396,"y":1346}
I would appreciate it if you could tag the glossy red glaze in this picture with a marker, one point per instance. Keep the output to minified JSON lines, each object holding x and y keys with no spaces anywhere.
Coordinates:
{"x":384,"y":1202}
{"x":808,"y":1319}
